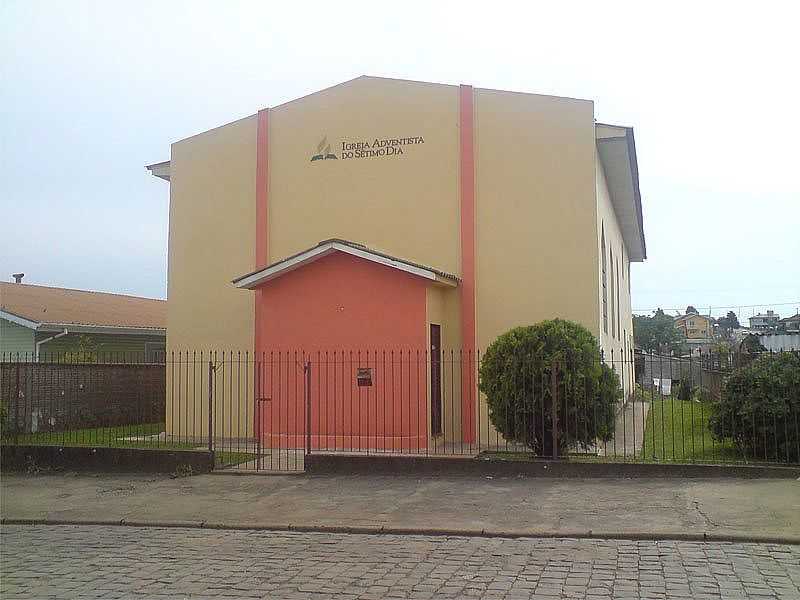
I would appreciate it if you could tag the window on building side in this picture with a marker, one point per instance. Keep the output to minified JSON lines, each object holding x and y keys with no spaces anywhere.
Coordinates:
{"x":619,"y":315}
{"x":605,"y":288}
{"x":613,"y":312}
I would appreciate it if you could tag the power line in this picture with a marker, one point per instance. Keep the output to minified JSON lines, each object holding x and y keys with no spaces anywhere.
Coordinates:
{"x":739,"y":306}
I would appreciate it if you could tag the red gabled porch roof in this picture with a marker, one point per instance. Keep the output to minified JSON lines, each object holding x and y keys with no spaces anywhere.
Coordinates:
{"x":252,"y":280}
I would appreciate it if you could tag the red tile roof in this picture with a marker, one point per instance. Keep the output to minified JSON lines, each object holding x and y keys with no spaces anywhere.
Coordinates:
{"x":43,"y":304}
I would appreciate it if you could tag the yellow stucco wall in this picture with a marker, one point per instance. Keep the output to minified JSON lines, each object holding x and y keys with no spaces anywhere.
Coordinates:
{"x":535,"y":211}
{"x":540,"y":201}
{"x":212,"y":239}
{"x":616,"y":341}
{"x":405,"y":205}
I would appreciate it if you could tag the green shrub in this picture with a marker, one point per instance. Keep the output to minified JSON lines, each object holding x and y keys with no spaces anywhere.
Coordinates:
{"x":760,"y":408}
{"x":5,"y":425}
{"x":684,"y":390}
{"x":515,"y":376}
{"x":701,"y":394}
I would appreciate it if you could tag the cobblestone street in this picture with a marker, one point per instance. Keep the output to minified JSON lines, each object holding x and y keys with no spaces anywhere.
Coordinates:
{"x":117,"y":562}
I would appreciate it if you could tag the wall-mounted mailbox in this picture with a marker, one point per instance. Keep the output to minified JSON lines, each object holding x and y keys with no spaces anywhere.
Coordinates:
{"x":364,"y":377}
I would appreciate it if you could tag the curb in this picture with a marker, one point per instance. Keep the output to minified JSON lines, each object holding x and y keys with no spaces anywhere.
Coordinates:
{"x":466,"y":466}
{"x":429,"y":531}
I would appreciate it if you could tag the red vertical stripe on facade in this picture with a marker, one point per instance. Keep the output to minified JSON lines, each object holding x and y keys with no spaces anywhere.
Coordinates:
{"x":469,"y":395}
{"x":262,"y":196}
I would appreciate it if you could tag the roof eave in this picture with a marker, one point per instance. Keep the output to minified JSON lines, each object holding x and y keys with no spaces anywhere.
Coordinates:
{"x":108,"y":329}
{"x":81,"y":327}
{"x":617,"y":150}
{"x":634,"y":161}
{"x":19,"y":320}
{"x":160,"y":170}
{"x":252,"y":280}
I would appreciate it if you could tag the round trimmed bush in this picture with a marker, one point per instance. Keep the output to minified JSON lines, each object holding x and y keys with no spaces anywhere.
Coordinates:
{"x":522,"y":367}
{"x":760,"y":408}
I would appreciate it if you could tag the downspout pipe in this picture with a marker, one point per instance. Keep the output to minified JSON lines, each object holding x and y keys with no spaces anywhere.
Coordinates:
{"x":45,"y":340}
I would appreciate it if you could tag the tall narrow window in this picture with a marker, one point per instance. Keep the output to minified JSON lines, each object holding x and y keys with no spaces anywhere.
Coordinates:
{"x":613,"y":312}
{"x":605,"y":285}
{"x":629,"y":279}
{"x":619,"y":315}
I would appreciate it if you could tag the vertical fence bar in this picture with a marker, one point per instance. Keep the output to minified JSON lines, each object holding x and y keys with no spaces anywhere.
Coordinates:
{"x":564,"y":405}
{"x":275,"y":399}
{"x":384,"y":432}
{"x":281,"y":401}
{"x":420,"y":418}
{"x":632,"y":375}
{"x":691,"y":416}
{"x":16,"y":403}
{"x":614,"y":369}
{"x":210,"y":405}
{"x":359,"y":433}
{"x":338,"y":371}
{"x":554,"y":406}
{"x":308,"y":406}
{"x":796,"y":435}
{"x":452,"y":406}
{"x":258,"y":394}
{"x":621,"y":373}
{"x":238,"y":410}
{"x":327,"y":420}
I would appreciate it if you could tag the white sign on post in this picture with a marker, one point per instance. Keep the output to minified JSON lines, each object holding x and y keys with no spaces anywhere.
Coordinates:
{"x":664,"y":386}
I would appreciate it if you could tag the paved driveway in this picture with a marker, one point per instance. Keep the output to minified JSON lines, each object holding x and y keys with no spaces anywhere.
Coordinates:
{"x":116,"y":562}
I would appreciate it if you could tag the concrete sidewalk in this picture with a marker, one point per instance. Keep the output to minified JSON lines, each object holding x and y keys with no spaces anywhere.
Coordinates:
{"x":746,"y":510}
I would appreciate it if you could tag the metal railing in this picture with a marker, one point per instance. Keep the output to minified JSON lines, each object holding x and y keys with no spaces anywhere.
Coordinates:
{"x":269,"y":411}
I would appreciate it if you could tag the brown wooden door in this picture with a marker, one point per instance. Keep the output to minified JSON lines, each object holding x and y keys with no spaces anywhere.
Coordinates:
{"x":436,"y":379}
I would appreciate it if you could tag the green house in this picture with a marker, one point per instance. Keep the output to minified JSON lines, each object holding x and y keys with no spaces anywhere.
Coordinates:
{"x":41,"y":323}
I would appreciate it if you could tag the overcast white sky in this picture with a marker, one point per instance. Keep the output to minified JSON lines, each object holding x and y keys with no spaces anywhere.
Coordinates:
{"x":90,"y":92}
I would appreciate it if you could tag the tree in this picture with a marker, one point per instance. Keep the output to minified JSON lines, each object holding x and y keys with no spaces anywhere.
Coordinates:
{"x":83,"y":349}
{"x":691,"y":310}
{"x":752,"y":345}
{"x":728,"y":323}
{"x":657,"y":333}
{"x":721,"y":349}
{"x":522,"y":369}
{"x":759,"y":407}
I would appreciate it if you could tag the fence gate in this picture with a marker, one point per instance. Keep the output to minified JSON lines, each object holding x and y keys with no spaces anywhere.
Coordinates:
{"x":258,"y":411}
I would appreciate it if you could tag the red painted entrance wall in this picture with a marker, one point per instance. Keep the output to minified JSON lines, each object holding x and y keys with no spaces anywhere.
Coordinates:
{"x":344,"y":313}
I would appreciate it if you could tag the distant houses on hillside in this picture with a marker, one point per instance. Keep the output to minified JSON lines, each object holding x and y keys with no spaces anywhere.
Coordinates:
{"x":695,"y":326}
{"x":697,"y":330}
{"x":765,"y":321}
{"x":700,"y":332}
{"x":790,"y":324}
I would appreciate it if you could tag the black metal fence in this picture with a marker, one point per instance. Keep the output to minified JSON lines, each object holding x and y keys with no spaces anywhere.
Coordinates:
{"x":269,"y":411}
